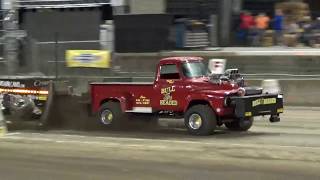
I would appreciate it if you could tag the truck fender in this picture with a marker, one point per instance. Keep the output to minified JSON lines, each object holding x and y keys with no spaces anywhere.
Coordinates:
{"x":211,"y":101}
{"x":121,"y":100}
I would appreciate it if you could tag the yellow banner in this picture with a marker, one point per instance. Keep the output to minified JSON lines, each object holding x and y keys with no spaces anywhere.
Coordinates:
{"x":3,"y":131}
{"x":88,"y":58}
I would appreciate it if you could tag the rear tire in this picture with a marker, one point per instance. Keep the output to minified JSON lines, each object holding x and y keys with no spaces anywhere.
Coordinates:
{"x":200,"y":120}
{"x":111,"y":115}
{"x":240,"y":125}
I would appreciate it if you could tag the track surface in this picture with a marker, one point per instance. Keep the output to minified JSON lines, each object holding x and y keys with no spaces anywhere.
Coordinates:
{"x":286,"y":150}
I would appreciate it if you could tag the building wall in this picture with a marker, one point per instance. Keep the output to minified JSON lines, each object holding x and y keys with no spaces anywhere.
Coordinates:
{"x":58,"y":24}
{"x":201,"y":9}
{"x":257,"y":6}
{"x":71,"y":25}
{"x":141,"y":32}
{"x":147,"y":6}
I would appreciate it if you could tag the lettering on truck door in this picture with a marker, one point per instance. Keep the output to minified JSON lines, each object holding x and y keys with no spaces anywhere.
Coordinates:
{"x":170,"y":88}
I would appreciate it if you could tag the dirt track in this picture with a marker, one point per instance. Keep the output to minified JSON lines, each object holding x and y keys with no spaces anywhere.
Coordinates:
{"x":286,"y":150}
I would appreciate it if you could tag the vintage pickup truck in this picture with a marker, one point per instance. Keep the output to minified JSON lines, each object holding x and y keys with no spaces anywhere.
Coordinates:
{"x":183,"y":88}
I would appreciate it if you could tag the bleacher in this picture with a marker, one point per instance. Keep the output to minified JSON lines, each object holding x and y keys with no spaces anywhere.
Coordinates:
{"x":198,"y":12}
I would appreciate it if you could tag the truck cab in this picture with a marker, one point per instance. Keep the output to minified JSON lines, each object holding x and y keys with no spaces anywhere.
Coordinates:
{"x":183,"y":87}
{"x":182,"y":82}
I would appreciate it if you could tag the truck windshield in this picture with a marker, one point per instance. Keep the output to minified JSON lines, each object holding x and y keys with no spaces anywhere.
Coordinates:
{"x":194,"y":69}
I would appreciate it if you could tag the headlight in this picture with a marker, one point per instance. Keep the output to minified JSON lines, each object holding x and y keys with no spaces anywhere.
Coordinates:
{"x":227,"y":102}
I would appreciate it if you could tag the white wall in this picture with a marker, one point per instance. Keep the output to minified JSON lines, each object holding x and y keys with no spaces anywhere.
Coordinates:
{"x":147,"y":6}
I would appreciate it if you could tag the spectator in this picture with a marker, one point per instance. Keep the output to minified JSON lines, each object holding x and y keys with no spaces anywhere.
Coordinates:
{"x":306,"y":34}
{"x":278,"y":26}
{"x":293,"y":34}
{"x":247,"y":22}
{"x":313,"y":36}
{"x":262,"y":23}
{"x":316,"y":24}
{"x":240,"y":34}
{"x":305,"y":23}
{"x":293,"y":28}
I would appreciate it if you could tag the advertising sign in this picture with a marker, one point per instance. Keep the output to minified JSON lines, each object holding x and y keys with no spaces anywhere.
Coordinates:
{"x":88,"y":58}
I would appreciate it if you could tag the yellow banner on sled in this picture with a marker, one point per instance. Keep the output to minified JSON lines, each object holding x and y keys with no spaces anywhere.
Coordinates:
{"x":3,"y":127}
{"x":3,"y":131}
{"x":88,"y":58}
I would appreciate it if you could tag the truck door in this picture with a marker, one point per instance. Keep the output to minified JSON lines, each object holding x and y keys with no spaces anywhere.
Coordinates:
{"x":169,"y":89}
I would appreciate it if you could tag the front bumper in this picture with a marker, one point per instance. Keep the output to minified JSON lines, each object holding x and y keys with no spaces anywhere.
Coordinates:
{"x":258,"y":105}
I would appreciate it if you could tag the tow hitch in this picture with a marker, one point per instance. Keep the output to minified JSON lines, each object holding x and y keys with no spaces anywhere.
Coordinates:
{"x":274,"y":118}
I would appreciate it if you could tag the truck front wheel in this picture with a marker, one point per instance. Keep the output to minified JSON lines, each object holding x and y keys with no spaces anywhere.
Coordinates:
{"x":240,"y":124}
{"x":110,"y":114}
{"x":200,"y":120}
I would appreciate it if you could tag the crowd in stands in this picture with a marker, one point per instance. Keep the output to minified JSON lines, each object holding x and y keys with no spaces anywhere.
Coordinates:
{"x":277,"y":31}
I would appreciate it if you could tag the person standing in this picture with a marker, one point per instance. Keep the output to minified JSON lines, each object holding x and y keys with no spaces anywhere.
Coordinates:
{"x":262,"y":23}
{"x":278,"y":26}
{"x":247,"y":22}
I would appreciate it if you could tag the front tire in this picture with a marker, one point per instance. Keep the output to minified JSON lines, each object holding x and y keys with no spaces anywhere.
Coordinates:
{"x":240,"y":125}
{"x":111,"y":115}
{"x":200,"y":120}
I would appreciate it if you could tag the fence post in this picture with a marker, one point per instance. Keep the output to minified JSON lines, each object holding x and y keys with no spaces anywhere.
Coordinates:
{"x":34,"y":54}
{"x":56,"y":46}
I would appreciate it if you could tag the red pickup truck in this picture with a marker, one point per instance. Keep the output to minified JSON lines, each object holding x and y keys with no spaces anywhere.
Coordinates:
{"x":183,"y":88}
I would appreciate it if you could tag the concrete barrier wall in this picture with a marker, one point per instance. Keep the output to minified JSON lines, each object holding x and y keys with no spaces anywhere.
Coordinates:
{"x":298,"y":92}
{"x":144,"y":64}
{"x":140,"y":64}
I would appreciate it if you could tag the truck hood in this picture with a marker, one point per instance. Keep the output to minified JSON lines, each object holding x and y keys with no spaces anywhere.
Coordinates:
{"x":204,"y":86}
{"x":219,"y":92}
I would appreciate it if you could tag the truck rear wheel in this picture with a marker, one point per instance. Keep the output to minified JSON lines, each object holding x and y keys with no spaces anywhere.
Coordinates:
{"x":240,"y":125}
{"x":111,"y":115}
{"x":200,"y":120}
